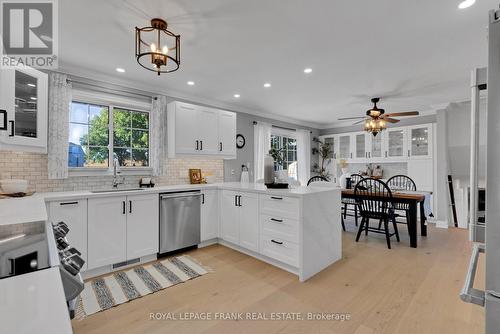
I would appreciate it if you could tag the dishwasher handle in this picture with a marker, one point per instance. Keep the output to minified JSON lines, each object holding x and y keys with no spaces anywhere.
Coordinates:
{"x":468,"y":293}
{"x":179,"y":195}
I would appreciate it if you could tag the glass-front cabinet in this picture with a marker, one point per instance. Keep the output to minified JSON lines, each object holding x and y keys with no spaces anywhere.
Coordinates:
{"x":332,"y":141}
{"x":375,"y":147}
{"x":344,"y":146}
{"x":419,"y":141}
{"x":24,"y":102}
{"x":395,"y":143}
{"x":360,"y":149}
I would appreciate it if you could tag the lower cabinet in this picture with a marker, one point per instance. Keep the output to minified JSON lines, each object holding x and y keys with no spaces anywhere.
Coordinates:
{"x":240,"y":219}
{"x":122,"y":228}
{"x":74,"y":214}
{"x":209,"y":215}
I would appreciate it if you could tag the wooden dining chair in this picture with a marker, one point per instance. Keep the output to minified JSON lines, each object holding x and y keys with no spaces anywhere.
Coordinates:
{"x":402,"y":182}
{"x":374,"y":200}
{"x":316,"y":179}
{"x":349,"y":207}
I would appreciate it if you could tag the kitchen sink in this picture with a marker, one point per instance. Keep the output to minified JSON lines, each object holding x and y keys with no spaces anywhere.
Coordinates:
{"x":114,"y":190}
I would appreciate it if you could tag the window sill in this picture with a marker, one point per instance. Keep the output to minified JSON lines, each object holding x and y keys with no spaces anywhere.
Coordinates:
{"x":124,"y":171}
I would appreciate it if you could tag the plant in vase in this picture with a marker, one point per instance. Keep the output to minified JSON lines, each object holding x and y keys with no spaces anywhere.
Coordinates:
{"x":279,"y":159}
{"x":325,"y":153}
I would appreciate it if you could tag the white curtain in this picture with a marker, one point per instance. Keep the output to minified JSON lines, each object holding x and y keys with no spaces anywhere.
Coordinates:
{"x":158,"y":133}
{"x":60,"y":91}
{"x":262,"y":145}
{"x":303,"y":156}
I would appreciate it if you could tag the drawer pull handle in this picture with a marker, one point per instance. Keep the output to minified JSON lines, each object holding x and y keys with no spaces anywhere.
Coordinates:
{"x":277,"y":220}
{"x":278,"y":198}
{"x":68,"y":203}
{"x":277,"y":242}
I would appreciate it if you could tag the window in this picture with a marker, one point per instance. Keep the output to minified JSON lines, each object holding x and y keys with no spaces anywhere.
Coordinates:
{"x":97,"y":130}
{"x":288,"y":148}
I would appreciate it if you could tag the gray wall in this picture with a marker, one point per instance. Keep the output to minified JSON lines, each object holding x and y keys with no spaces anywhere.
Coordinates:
{"x":404,"y":122}
{"x":244,"y":126}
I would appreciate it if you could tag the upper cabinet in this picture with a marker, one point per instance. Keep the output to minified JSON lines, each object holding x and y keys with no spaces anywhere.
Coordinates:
{"x":359,"y":141}
{"x":419,"y":141}
{"x":200,"y":131}
{"x":344,"y":144}
{"x":395,"y":143}
{"x":23,"y":110}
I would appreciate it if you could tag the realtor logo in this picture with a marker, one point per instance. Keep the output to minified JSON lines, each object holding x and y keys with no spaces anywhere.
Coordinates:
{"x":29,"y":33}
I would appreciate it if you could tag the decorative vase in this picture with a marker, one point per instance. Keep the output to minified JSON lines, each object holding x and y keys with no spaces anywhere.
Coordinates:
{"x":282,"y":176}
{"x":268,"y":169}
{"x":343,"y":178}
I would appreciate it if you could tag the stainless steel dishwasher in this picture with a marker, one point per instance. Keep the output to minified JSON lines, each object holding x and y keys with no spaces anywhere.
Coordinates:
{"x":179,"y":220}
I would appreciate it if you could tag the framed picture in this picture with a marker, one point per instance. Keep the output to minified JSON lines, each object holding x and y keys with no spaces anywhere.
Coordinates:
{"x":195,"y":176}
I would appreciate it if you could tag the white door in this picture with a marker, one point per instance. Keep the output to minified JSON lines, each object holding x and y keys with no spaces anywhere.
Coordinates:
{"x":249,"y":221}
{"x":142,"y":225}
{"x":187,"y":139}
{"x":227,"y":133}
{"x":209,"y":215}
{"x":420,"y":141}
{"x":344,"y":146}
{"x":74,"y":214}
{"x":396,"y":143}
{"x":25,"y":98}
{"x":107,"y":231}
{"x":359,"y":146}
{"x":230,"y":221}
{"x":207,"y":122}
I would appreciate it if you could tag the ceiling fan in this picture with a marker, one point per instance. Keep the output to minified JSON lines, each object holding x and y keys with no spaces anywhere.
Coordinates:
{"x":376,"y":118}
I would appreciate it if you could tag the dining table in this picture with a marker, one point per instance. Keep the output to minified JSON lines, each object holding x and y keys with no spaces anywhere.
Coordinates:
{"x":414,"y":199}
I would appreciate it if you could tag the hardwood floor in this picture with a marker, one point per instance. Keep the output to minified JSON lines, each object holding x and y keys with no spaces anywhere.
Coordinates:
{"x":402,"y":290}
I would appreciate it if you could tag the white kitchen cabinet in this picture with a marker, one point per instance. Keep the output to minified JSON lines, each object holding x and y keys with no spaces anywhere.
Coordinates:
{"x":107,"y":231}
{"x":344,"y":144}
{"x":359,"y":145}
{"x":23,"y":110}
{"x":240,"y":219}
{"x":395,"y":143}
{"x":209,"y":214}
{"x":230,"y":230}
{"x":74,"y":214}
{"x":421,"y":172}
{"x":200,"y":131}
{"x":249,"y":221}
{"x":227,"y":133}
{"x":419,"y":141}
{"x":142,"y":225}
{"x":375,"y":146}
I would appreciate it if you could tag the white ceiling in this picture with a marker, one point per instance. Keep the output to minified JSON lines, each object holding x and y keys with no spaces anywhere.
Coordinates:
{"x":416,"y":53}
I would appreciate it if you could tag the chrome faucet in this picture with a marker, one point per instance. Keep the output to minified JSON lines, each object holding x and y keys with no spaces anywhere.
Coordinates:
{"x":116,"y":164}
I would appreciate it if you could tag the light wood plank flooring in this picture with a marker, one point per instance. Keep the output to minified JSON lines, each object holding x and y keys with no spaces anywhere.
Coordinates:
{"x":402,"y":290}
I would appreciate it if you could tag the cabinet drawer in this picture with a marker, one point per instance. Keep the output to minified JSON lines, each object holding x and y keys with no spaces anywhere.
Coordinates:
{"x":279,"y":249}
{"x":280,"y":205}
{"x":282,"y":227}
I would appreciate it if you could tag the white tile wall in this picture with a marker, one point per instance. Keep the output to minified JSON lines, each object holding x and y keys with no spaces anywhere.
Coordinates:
{"x":33,"y":167}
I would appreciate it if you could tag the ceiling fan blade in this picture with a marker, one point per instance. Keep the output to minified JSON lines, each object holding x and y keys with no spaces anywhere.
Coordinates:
{"x":347,"y":118}
{"x":358,"y":122}
{"x":404,"y":113}
{"x":391,"y":120}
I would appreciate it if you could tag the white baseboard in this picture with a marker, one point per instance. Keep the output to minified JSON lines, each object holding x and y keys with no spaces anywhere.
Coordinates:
{"x":439,"y":223}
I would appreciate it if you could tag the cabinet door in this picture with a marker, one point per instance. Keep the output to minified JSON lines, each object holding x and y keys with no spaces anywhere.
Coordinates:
{"x":187,"y":139}
{"x":209,"y":215}
{"x":230,"y":230}
{"x":359,"y":140}
{"x":396,"y":143}
{"x":345,"y":146}
{"x":207,"y":123}
{"x":227,"y":133}
{"x":419,"y":141}
{"x":25,"y":98}
{"x":74,"y":214}
{"x":249,"y":221}
{"x":107,"y":231}
{"x":142,"y":225}
{"x":375,"y":150}
{"x":332,"y":141}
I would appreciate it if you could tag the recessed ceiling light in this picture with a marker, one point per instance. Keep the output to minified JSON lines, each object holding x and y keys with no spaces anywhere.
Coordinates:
{"x":267,"y":85}
{"x":119,"y":69}
{"x":308,"y":70}
{"x":190,"y":83}
{"x":236,"y":96}
{"x":31,"y":85}
{"x":466,"y":4}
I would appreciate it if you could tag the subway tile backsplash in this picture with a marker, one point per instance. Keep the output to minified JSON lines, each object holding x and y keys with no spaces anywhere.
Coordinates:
{"x":33,"y":167}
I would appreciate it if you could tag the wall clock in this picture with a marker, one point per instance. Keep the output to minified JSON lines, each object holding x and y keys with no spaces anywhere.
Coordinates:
{"x":240,"y":141}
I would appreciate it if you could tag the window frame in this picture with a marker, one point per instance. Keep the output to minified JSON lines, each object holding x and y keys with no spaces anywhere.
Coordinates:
{"x":112,"y":102}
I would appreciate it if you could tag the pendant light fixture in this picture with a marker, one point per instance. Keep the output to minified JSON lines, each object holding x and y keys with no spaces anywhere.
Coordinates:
{"x":156,"y":48}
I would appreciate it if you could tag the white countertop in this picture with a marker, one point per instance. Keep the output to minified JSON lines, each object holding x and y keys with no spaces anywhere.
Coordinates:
{"x":22,"y":210}
{"x":34,"y":303}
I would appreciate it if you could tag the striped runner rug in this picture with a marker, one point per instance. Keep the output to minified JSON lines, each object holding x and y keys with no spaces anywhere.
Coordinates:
{"x":120,"y":287}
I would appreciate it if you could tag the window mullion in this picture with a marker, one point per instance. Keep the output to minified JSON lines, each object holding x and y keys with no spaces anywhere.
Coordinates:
{"x":111,"y":136}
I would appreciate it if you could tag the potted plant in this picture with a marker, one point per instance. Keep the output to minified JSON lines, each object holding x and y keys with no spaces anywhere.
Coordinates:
{"x":325,"y":153}
{"x":279,"y":159}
